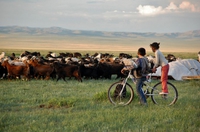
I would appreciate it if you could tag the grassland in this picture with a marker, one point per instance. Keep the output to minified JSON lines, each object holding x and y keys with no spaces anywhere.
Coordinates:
{"x":50,"y":106}
{"x":29,"y":41}
{"x":38,"y":106}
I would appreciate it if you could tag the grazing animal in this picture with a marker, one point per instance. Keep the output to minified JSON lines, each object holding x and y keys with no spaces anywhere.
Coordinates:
{"x":16,"y":62}
{"x":151,"y":60}
{"x":53,"y":54}
{"x":2,"y":55}
{"x":16,"y":71}
{"x":108,"y":69}
{"x":27,"y":53}
{"x":41,"y":70}
{"x":53,"y":57}
{"x":69,"y":54}
{"x":89,"y":71}
{"x":97,"y":56}
{"x":124,"y":55}
{"x":13,"y":57}
{"x":65,"y":70}
{"x":77,"y":55}
{"x":170,"y":58}
{"x":3,"y":71}
{"x":71,"y":60}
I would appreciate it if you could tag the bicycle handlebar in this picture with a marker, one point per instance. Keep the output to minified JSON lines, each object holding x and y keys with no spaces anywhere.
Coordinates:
{"x":149,"y":76}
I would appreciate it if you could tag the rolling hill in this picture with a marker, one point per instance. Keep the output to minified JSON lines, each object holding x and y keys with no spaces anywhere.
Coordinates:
{"x":60,"y":38}
{"x":62,"y":31}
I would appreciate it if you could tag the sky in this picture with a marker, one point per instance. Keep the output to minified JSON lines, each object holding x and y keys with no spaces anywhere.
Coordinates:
{"x":161,"y":16}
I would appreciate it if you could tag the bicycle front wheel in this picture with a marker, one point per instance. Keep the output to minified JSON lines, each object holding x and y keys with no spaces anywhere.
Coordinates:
{"x":167,"y":99}
{"x":126,"y":96}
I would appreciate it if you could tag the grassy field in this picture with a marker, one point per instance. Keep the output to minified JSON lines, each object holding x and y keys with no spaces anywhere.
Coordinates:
{"x":38,"y":106}
{"x":182,"y":55}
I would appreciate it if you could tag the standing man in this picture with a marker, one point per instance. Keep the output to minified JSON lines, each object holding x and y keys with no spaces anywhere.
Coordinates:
{"x":161,"y":61}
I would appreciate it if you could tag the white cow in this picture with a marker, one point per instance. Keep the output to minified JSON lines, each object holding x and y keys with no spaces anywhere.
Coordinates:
{"x":54,"y":54}
{"x":2,"y":55}
{"x":69,"y":60}
{"x":129,"y":62}
{"x":15,"y":62}
{"x":151,"y":59}
{"x":98,"y":57}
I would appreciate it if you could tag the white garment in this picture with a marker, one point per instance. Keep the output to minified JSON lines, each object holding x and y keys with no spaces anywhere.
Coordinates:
{"x":160,"y":59}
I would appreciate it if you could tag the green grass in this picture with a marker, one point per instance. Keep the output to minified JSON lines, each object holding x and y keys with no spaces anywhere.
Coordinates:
{"x":182,"y":55}
{"x":39,"y":106}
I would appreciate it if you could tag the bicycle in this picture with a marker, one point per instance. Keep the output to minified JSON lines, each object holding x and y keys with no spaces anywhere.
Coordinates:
{"x":122,"y":93}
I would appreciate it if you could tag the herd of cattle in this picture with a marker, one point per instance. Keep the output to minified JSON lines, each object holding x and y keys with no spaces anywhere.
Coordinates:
{"x":31,"y":65}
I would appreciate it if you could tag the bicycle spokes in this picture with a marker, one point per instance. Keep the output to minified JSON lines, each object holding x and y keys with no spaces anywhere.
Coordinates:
{"x":119,"y":94}
{"x":164,"y":99}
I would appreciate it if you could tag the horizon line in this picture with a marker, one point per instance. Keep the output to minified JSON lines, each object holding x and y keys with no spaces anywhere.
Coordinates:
{"x":99,"y":30}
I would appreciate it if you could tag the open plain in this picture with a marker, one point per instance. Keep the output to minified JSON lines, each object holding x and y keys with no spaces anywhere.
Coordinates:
{"x":39,"y":105}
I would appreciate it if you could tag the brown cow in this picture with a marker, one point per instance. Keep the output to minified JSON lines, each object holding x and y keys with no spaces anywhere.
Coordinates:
{"x":16,"y":71}
{"x":41,"y":70}
{"x":65,"y":70}
{"x":77,"y":55}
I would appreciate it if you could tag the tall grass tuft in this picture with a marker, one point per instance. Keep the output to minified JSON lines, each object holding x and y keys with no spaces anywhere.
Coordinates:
{"x":60,"y":102}
{"x":100,"y":96}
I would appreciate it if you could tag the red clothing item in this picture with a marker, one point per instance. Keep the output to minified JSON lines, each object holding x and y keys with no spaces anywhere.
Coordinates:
{"x":164,"y":78}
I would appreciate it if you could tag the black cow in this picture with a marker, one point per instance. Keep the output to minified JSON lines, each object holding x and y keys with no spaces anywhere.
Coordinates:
{"x":3,"y":72}
{"x":27,"y":53}
{"x":108,"y":69}
{"x":89,"y":71}
{"x":124,"y":55}
{"x":64,"y":70}
{"x":170,"y":57}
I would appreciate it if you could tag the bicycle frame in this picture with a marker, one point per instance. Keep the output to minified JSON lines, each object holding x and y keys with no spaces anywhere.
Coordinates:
{"x":147,"y":82}
{"x":124,"y":82}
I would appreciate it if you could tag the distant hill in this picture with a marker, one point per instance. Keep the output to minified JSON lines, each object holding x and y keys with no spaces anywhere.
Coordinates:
{"x":62,"y":31}
{"x":57,"y":38}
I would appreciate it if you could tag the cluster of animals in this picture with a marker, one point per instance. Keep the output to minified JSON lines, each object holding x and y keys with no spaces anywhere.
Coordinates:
{"x":31,"y":65}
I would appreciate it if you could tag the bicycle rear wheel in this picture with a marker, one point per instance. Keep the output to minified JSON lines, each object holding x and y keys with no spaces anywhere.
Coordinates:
{"x":126,"y":96}
{"x":167,"y":99}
